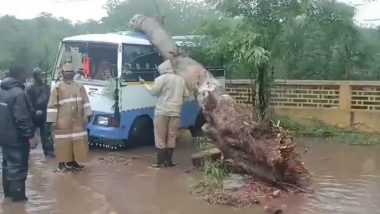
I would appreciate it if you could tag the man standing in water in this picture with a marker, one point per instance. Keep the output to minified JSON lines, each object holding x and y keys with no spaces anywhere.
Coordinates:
{"x":39,"y":94}
{"x":68,"y":111}
{"x":170,"y":90}
{"x":16,"y":128}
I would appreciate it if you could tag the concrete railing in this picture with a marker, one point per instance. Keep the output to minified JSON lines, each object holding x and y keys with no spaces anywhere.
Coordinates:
{"x":341,"y":103}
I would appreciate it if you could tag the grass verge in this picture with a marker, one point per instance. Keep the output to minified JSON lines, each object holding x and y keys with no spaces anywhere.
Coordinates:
{"x":213,"y":172}
{"x":321,"y":130}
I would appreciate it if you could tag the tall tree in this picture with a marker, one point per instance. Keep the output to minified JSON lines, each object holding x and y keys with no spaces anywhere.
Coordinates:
{"x":306,"y":39}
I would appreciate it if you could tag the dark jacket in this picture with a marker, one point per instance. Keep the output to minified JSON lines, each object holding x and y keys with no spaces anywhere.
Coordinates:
{"x":16,"y":125}
{"x":39,"y":97}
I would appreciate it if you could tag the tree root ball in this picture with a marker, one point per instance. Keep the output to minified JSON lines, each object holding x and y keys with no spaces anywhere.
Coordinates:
{"x":263,"y":149}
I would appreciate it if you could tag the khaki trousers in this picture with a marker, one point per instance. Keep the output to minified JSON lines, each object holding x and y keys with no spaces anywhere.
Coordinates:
{"x":165,"y":131}
{"x":67,"y":150}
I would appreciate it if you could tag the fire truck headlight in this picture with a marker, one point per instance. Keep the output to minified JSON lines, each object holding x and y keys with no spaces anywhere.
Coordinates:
{"x":102,"y":121}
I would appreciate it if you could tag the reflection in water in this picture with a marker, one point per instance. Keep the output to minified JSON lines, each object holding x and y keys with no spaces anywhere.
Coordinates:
{"x":346,"y":180}
{"x":343,"y":196}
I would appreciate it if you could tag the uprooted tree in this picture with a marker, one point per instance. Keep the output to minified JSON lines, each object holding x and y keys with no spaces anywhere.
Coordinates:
{"x":262,"y":149}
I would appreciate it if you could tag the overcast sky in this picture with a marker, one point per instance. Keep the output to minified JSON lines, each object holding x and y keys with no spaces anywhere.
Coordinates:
{"x":82,"y":10}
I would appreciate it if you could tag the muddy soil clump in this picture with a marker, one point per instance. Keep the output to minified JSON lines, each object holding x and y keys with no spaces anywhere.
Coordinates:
{"x":243,"y":191}
{"x":263,"y":149}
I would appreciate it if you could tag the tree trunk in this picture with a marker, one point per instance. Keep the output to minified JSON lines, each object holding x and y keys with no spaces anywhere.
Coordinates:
{"x":264,"y":150}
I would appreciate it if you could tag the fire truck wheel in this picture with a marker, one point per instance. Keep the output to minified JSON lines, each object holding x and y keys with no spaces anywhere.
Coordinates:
{"x":141,"y":132}
{"x":196,"y":129}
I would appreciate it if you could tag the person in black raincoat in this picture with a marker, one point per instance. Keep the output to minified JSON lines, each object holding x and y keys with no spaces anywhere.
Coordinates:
{"x":16,"y":129}
{"x":39,"y":94}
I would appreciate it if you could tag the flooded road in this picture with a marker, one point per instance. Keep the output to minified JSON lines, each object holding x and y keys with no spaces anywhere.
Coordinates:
{"x":346,"y":180}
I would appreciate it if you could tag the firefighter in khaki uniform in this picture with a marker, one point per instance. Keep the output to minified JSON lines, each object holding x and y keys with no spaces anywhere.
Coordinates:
{"x":171,"y":91}
{"x":68,"y":111}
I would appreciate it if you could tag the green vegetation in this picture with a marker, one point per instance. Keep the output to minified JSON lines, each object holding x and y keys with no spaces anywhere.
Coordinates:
{"x":181,"y":16}
{"x":204,"y":143}
{"x":321,"y":130}
{"x":213,"y":172}
{"x":305,"y":40}
{"x":35,"y":42}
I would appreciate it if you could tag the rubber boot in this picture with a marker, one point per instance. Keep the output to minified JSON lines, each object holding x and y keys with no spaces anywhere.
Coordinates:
{"x":62,"y":168}
{"x":160,"y":159}
{"x":74,"y":165}
{"x":169,"y":157}
{"x":17,"y":191}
